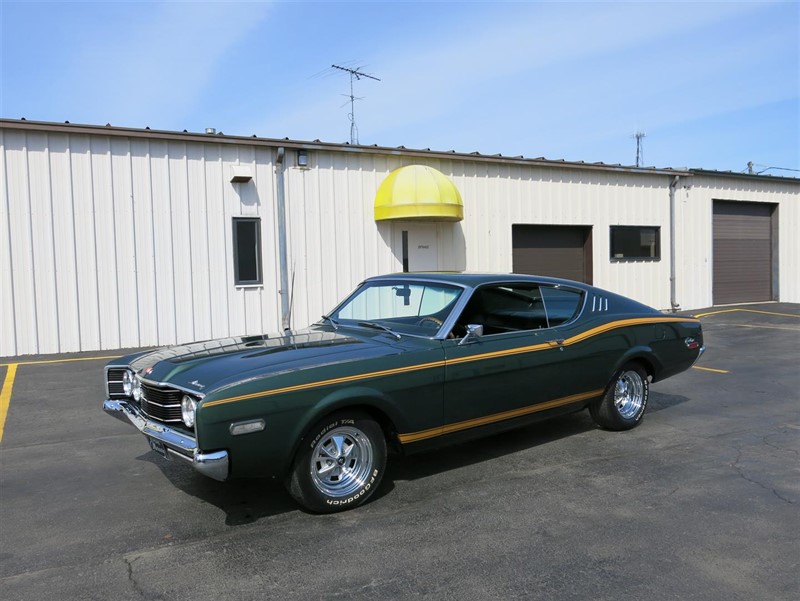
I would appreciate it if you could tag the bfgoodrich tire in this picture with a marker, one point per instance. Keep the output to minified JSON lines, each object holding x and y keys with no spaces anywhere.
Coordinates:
{"x":625,"y":400}
{"x":340,"y":463}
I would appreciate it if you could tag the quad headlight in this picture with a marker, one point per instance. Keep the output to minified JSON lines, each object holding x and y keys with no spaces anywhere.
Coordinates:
{"x":131,"y":385}
{"x":136,"y":389}
{"x":127,"y":382}
{"x":188,"y":409}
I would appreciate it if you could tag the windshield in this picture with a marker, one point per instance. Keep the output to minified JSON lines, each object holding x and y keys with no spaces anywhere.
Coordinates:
{"x":417,"y":308}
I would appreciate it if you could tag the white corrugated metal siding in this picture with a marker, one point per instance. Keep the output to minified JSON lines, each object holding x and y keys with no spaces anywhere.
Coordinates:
{"x":110,"y":240}
{"x":115,"y":242}
{"x":695,"y":235}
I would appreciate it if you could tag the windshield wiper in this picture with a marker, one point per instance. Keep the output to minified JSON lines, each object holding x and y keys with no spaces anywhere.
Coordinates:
{"x":377,"y":326}
{"x":330,"y":320}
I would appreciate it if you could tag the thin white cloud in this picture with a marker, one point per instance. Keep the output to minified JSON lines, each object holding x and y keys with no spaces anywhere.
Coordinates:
{"x":539,"y":78}
{"x":160,"y":66}
{"x":430,"y":82}
{"x":532,"y":70}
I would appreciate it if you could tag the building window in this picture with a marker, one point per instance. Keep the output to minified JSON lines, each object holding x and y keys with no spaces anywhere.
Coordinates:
{"x":247,"y":251}
{"x":635,"y":243}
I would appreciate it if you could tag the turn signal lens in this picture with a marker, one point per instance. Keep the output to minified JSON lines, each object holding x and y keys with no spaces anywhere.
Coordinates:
{"x":255,"y":425}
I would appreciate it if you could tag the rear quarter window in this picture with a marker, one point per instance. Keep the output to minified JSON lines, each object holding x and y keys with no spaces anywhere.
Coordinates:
{"x":560,"y":304}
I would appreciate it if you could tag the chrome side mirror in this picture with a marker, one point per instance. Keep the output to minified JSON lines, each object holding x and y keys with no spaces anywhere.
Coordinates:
{"x":474,"y":331}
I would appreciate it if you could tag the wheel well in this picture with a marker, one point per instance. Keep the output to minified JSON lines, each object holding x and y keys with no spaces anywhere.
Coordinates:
{"x":384,"y":421}
{"x":646,"y":365}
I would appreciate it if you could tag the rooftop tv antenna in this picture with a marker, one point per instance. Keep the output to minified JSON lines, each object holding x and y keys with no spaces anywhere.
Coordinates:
{"x":354,"y":74}
{"x":639,"y":135}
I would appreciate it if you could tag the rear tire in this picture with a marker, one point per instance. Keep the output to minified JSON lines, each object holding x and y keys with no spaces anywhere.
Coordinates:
{"x":623,"y":405}
{"x":340,"y":463}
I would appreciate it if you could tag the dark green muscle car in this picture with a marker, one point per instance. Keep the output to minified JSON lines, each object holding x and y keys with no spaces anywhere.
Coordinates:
{"x":405,"y":363}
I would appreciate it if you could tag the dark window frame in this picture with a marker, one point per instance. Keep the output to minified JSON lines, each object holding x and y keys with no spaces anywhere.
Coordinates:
{"x":238,"y":281}
{"x":515,"y":307}
{"x":636,"y":228}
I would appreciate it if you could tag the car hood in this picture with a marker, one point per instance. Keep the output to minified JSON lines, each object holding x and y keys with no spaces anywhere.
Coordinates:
{"x":215,"y":364}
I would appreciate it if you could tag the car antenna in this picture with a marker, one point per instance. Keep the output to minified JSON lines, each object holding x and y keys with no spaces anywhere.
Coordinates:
{"x":291,"y":301}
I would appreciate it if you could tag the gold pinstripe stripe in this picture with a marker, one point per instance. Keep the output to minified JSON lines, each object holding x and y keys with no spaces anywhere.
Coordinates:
{"x":570,"y":341}
{"x":493,"y":355}
{"x":496,"y":417}
{"x":342,"y":380}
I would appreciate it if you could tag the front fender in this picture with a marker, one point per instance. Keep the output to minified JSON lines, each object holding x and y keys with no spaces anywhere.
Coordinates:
{"x":357,"y":396}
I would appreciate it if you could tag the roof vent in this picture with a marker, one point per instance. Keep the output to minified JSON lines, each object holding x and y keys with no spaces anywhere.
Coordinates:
{"x":211,"y":130}
{"x":599,"y":304}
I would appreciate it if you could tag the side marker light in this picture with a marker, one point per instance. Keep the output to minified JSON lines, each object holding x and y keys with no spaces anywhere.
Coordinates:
{"x":248,"y":427}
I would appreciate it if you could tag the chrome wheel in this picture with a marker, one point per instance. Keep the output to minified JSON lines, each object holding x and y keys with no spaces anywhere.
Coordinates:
{"x":629,"y":395}
{"x":341,"y":462}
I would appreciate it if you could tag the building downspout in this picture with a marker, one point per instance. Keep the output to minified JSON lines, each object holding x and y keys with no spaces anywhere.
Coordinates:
{"x":673,"y":294}
{"x":282,"y":253}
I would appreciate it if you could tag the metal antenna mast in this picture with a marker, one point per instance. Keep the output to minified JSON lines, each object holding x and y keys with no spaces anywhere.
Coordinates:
{"x":354,"y":74}
{"x":639,"y":135}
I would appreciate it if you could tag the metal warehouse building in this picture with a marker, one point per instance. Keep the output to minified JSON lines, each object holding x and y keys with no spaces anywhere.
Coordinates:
{"x":114,"y":237}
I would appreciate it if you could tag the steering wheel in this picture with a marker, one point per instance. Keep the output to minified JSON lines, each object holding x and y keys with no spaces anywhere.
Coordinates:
{"x":426,"y":321}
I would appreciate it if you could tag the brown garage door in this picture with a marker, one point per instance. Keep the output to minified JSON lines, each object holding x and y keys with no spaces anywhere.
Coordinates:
{"x":553,"y":250}
{"x":742,"y":252}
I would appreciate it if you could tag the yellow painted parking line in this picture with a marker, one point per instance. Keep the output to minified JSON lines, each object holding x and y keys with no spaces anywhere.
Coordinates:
{"x":716,"y":371}
{"x":11,"y":374}
{"x":46,"y":361}
{"x":744,"y":325}
{"x":746,"y":311}
{"x":5,"y":395}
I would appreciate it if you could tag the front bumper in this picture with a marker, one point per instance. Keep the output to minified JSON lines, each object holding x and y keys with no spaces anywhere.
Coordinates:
{"x":176,"y":444}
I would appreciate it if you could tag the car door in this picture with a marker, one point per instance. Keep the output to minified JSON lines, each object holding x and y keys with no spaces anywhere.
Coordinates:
{"x":519,"y":365}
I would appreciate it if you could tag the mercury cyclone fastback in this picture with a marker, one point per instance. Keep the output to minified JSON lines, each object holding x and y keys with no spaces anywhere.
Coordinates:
{"x":406,"y":363}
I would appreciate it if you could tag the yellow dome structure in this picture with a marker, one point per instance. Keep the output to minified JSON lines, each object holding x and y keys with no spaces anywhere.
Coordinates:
{"x":418,"y":193}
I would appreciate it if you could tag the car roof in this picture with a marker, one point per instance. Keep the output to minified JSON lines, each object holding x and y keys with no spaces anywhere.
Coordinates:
{"x":622,"y":304}
{"x":473,"y":280}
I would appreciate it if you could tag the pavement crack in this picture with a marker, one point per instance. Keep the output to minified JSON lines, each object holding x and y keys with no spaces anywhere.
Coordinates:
{"x":740,"y":471}
{"x":777,"y":446}
{"x":134,"y":584}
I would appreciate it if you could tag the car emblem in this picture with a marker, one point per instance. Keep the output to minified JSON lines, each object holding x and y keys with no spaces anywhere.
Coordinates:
{"x":147,"y":371}
{"x":197,"y":384}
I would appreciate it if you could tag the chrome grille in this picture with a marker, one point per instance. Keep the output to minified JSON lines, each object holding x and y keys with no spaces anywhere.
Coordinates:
{"x":114,"y":381}
{"x":163,"y":404}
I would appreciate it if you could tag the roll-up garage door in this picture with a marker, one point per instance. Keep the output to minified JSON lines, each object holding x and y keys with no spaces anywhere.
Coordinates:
{"x":553,"y":250}
{"x":742,"y":252}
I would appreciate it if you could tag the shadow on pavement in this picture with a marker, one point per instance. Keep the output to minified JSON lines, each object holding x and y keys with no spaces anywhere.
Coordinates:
{"x":244,"y":501}
{"x":247,"y":500}
{"x":492,"y":447}
{"x":659,"y":401}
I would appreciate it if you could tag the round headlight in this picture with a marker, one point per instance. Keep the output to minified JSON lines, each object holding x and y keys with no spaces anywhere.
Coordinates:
{"x":188,"y":408}
{"x":127,"y":382}
{"x":136,"y":389}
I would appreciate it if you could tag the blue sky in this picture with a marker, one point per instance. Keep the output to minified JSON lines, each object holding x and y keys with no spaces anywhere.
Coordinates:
{"x":714,"y":85}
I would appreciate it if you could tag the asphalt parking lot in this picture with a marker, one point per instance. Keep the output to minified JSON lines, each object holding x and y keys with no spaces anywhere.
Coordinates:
{"x":699,"y":502}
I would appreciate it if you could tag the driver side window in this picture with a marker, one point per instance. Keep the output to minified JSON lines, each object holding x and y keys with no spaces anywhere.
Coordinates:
{"x":505,"y":308}
{"x":518,"y":307}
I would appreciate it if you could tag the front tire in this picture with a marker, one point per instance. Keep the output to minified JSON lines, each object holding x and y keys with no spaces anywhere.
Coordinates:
{"x":625,"y":400}
{"x":340,"y":463}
